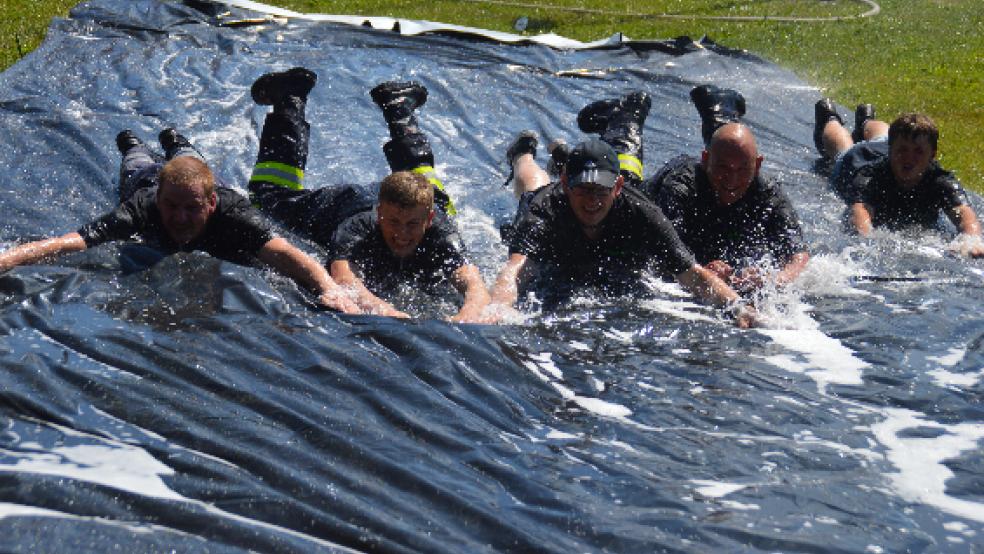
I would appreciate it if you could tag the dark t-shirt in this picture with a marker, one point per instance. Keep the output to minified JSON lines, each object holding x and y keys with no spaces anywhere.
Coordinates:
{"x":894,"y":207}
{"x":761,"y":224}
{"x":359,"y":241}
{"x":235,"y":232}
{"x":858,"y":156}
{"x":634,"y":236}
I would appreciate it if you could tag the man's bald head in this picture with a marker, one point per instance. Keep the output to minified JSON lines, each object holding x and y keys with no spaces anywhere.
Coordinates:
{"x":735,"y":136}
{"x":731,"y":162}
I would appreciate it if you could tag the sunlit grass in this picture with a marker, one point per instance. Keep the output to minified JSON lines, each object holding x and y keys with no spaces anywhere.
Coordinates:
{"x":23,"y":23}
{"x":925,"y":55}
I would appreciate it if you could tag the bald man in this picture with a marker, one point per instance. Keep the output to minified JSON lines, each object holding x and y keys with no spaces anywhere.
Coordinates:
{"x":179,"y":209}
{"x":738,"y":224}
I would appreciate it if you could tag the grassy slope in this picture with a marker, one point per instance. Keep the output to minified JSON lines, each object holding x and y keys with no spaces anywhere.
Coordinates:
{"x":925,"y":55}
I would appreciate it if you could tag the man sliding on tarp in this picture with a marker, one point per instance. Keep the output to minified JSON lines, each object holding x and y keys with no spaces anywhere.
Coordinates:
{"x":176,"y":207}
{"x":404,"y":240}
{"x":589,"y":230}
{"x":889,"y":176}
{"x":738,"y":223}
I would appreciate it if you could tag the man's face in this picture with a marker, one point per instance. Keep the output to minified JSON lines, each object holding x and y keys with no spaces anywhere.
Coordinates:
{"x":590,"y":202}
{"x":909,"y":159}
{"x":403,"y":228}
{"x":730,"y":171}
{"x":184,"y":210}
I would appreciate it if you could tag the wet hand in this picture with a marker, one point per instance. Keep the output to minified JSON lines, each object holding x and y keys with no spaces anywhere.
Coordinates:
{"x":496,"y":313}
{"x":721,"y":269}
{"x":969,"y":246}
{"x":338,"y":300}
{"x":748,"y":280}
{"x":390,"y":311}
{"x":746,"y":317}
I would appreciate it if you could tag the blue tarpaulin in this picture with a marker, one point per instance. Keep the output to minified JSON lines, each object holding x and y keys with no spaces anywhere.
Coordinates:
{"x":198,"y":406}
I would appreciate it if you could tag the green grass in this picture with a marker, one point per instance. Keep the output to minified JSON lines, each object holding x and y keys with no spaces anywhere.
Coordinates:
{"x":917,"y":55}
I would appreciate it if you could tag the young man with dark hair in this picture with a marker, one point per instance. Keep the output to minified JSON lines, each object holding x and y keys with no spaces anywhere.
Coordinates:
{"x":176,"y":207}
{"x":888,"y":174}
{"x":403,"y":238}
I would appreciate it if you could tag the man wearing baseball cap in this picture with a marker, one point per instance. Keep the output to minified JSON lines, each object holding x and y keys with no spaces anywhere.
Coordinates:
{"x":589,"y":230}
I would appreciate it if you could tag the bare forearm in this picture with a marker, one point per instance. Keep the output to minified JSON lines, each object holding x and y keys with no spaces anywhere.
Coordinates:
{"x":468,"y":281}
{"x":506,"y":289}
{"x":966,"y":220}
{"x":342,"y":272}
{"x":34,"y":252}
{"x":304,"y":270}
{"x":793,"y":269}
{"x":707,"y":286}
{"x":861,"y":219}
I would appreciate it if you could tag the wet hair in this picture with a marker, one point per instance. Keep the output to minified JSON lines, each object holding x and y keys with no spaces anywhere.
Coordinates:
{"x":912,"y":126}
{"x":406,"y":190}
{"x":188,"y":171}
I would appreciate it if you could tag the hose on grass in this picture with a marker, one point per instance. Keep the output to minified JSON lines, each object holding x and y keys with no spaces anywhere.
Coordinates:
{"x":874,"y":9}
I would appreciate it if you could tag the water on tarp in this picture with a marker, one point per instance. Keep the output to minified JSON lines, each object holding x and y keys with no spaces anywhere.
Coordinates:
{"x":188,"y":404}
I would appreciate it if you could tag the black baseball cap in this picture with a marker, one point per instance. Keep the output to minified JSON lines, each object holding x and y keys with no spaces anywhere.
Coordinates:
{"x":592,"y":161}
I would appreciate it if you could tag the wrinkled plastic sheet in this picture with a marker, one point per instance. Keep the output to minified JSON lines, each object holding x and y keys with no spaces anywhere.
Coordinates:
{"x":198,"y":406}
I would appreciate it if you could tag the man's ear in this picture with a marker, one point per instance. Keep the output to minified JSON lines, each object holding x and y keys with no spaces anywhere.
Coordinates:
{"x":617,"y":189}
{"x":758,"y":163}
{"x":705,"y":156}
{"x":430,"y":217}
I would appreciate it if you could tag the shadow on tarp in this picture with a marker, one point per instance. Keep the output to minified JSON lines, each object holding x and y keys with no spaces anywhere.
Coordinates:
{"x":188,"y":404}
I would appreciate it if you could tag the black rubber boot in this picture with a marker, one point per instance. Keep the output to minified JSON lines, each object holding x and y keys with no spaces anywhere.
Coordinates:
{"x":559,"y":152}
{"x":398,"y":100}
{"x":624,"y":133}
{"x":593,"y":118}
{"x":824,"y":112}
{"x":524,"y":143}
{"x":272,"y":88}
{"x":126,"y":140}
{"x":862,"y":114}
{"x":717,"y":107}
{"x":172,"y":141}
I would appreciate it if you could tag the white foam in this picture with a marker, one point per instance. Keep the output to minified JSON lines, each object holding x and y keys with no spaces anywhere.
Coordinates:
{"x":951,"y":358}
{"x":944,"y":378}
{"x":542,"y":366}
{"x":739,"y":505}
{"x":956,"y":526}
{"x":681,"y":310}
{"x":716,"y":489}
{"x":827,"y":359}
{"x":555,"y":434}
{"x":14,"y":510}
{"x":602,"y":407}
{"x":112,"y":464}
{"x":922,"y":475}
